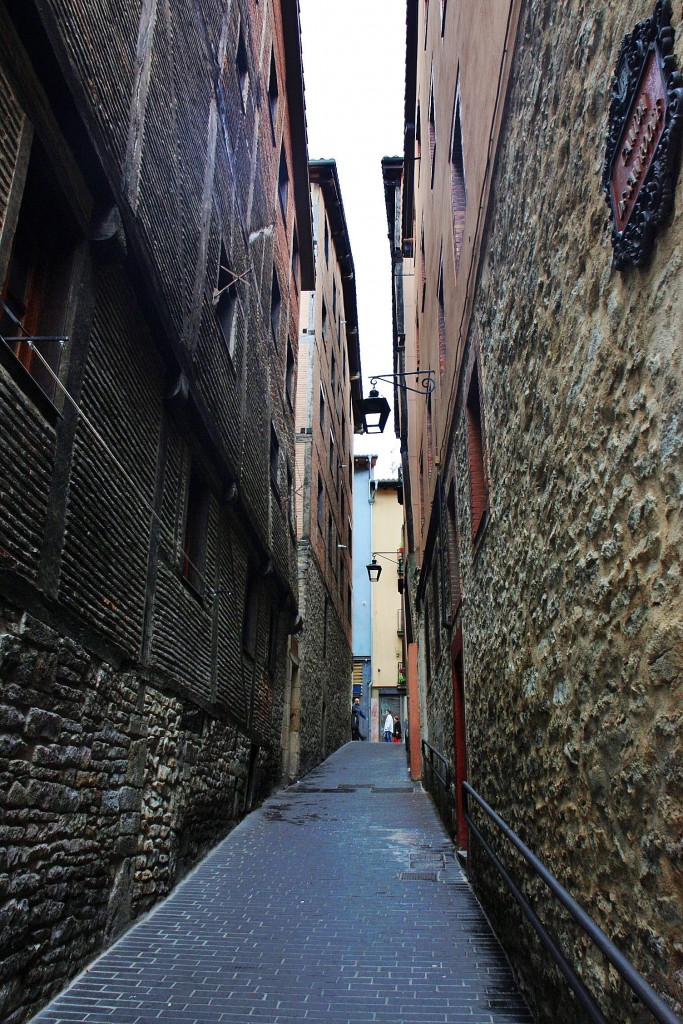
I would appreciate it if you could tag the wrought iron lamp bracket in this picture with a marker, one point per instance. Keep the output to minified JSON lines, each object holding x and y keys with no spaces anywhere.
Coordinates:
{"x":425,"y":377}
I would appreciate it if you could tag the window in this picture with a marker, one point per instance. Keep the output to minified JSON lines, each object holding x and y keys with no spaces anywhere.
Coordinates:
{"x":348,"y":603}
{"x":332,"y":457}
{"x":273,"y":95}
{"x":242,"y":66}
{"x":320,"y":502}
{"x":444,"y":6}
{"x":37,"y":282}
{"x":333,"y":373}
{"x":432,"y":132}
{"x":350,"y":536}
{"x":458,"y":193}
{"x":290,"y":497}
{"x":436,"y":603}
{"x":290,"y":375}
{"x":325,"y":321}
{"x":329,"y":537}
{"x":275,"y":307}
{"x":418,"y":143}
{"x":343,"y":435}
{"x":272,"y":641}
{"x":442,"y":324}
{"x":225,"y":301}
{"x":334,"y":300}
{"x":274,"y":459}
{"x":196,"y":520}
{"x":283,"y":182}
{"x":342,"y":576}
{"x":453,"y":547}
{"x":327,"y":243}
{"x":250,"y":620}
{"x":321,"y":414}
{"x":475,"y":452}
{"x":295,"y":257}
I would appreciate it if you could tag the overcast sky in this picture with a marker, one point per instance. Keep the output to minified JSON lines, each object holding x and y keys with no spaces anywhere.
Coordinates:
{"x":354,"y":77}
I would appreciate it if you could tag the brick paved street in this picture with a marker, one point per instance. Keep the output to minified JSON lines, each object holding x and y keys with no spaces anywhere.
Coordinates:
{"x":338,"y":900}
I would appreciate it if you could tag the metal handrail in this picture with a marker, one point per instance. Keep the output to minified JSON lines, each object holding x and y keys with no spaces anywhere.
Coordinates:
{"x":654,"y":1003}
{"x":438,"y":783}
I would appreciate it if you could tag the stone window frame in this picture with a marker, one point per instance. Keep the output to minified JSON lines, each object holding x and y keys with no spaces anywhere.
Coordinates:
{"x":458,"y":179}
{"x":476,"y":434}
{"x":290,"y":374}
{"x":453,"y":545}
{"x":274,"y":462}
{"x":273,"y":95}
{"x":441,"y":321}
{"x":432,"y":129}
{"x":242,"y":69}
{"x":283,"y":182}
{"x":320,"y":503}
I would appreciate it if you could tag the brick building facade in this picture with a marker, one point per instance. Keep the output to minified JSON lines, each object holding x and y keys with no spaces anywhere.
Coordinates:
{"x":542,"y":478}
{"x":155,"y":232}
{"x":327,"y":415}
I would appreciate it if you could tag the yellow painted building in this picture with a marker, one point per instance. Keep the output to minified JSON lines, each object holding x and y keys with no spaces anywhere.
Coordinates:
{"x":387,"y":624}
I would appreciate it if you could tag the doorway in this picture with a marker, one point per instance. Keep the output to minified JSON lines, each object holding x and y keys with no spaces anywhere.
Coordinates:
{"x":391,"y":702}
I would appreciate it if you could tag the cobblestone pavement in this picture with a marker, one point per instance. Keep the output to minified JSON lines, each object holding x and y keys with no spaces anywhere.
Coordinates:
{"x":338,"y":900}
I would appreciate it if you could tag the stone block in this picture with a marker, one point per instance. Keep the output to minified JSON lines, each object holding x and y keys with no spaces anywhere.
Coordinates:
{"x":129,"y":798}
{"x":43,"y":723}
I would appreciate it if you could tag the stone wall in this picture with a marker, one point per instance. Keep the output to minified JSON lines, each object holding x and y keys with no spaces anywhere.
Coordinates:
{"x":572,"y":600}
{"x":139,"y":719}
{"x":326,"y":669}
{"x":114,"y":788}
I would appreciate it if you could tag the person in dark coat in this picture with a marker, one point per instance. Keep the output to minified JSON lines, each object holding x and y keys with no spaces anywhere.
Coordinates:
{"x":356,"y":714}
{"x":397,"y":730}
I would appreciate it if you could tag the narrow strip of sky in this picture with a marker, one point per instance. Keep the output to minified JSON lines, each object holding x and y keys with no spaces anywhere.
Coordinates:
{"x":354,"y":76}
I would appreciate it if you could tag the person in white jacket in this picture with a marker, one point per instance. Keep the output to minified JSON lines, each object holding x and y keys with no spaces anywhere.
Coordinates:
{"x":388,"y":728}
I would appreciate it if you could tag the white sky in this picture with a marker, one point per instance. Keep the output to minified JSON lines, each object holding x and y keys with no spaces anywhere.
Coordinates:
{"x":354,"y":77}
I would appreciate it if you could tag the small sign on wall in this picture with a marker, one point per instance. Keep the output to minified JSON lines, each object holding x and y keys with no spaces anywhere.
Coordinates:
{"x":644,"y":133}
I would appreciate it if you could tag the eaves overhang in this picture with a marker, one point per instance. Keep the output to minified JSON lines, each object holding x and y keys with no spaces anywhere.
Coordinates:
{"x":409,"y":125}
{"x":323,"y":173}
{"x":296,"y":104}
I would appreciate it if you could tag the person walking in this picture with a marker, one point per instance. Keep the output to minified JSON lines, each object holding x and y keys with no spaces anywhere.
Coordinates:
{"x":388,"y":728}
{"x":356,"y":714}
{"x":398,"y":735}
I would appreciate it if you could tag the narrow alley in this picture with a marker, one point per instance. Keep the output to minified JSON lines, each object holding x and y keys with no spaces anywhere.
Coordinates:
{"x":338,"y":900}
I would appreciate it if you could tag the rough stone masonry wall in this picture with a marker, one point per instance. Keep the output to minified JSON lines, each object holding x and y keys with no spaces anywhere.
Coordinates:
{"x":573,"y":607}
{"x":326,"y":669}
{"x":113,"y":789}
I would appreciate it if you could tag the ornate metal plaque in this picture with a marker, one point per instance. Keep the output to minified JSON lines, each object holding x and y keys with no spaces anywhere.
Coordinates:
{"x":645,"y":122}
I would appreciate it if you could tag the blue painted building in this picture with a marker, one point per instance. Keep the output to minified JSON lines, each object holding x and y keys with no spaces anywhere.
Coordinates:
{"x":363,"y":499}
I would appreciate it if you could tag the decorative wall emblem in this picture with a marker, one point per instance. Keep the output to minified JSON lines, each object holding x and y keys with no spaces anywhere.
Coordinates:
{"x":645,"y":122}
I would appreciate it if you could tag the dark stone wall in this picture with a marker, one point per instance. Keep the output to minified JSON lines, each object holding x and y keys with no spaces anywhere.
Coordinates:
{"x":135,"y":726}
